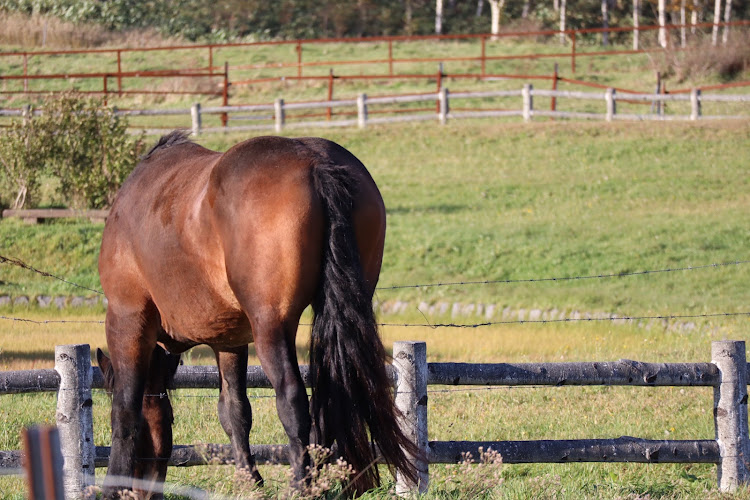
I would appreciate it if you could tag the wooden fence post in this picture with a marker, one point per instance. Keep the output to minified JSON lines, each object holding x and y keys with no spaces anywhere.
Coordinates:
{"x":27,"y":113}
{"x":362,"y":110}
{"x":74,"y":417}
{"x":225,"y":95}
{"x":695,"y":104}
{"x":609,"y":98}
{"x":43,"y":464}
{"x":528,"y":101}
{"x":195,"y":115}
{"x":730,"y":413}
{"x":410,"y":362}
{"x":119,"y":73}
{"x":444,"y":107}
{"x":278,"y":108}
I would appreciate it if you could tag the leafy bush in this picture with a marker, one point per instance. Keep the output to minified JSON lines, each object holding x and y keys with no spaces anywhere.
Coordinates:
{"x":83,"y":144}
{"x":20,"y":158}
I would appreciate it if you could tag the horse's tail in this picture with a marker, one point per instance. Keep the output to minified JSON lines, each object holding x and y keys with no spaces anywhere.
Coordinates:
{"x":351,"y":388}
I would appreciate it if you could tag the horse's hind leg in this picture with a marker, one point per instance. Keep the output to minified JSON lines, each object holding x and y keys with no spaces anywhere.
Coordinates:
{"x":274,"y":343}
{"x":235,"y":412}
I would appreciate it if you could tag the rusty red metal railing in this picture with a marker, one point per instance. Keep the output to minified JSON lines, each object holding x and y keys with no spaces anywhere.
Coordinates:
{"x":482,"y":58}
{"x":221,"y":84}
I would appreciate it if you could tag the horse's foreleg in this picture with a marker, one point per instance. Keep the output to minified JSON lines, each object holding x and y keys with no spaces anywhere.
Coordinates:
{"x":275,"y":346}
{"x":130,"y":340}
{"x":235,"y":412}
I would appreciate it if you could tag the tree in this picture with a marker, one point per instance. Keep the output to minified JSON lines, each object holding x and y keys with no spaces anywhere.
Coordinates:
{"x":605,"y":22}
{"x":717,"y":18}
{"x":636,"y":23}
{"x":438,"y":17}
{"x":694,"y":15}
{"x":496,"y":9}
{"x":662,"y":23}
{"x":563,"y":12}
{"x":683,"y":21}
{"x":727,"y":16}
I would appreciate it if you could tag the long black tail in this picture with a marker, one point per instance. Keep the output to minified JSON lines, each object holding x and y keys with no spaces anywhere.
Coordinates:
{"x":351,"y":388}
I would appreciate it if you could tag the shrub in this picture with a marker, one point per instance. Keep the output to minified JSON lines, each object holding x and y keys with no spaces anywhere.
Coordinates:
{"x":20,"y":158}
{"x":701,"y":59}
{"x":83,"y":144}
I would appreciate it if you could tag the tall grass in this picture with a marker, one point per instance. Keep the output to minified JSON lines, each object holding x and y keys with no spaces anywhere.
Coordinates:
{"x":455,"y":413}
{"x":36,"y":31}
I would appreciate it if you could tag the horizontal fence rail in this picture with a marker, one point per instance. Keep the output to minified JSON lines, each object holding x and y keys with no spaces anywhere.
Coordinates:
{"x":114,"y":68}
{"x":276,"y":116}
{"x":73,"y":378}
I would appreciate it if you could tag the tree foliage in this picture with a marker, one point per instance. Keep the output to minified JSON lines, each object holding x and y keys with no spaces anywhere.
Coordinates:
{"x":76,"y":140}
{"x":20,"y":157}
{"x":261,"y":19}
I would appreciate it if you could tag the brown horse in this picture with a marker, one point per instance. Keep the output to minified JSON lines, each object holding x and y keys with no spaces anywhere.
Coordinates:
{"x":226,"y":249}
{"x":154,"y":445}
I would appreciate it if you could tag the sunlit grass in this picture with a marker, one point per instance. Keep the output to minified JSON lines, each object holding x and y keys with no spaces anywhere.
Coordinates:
{"x":455,"y":413}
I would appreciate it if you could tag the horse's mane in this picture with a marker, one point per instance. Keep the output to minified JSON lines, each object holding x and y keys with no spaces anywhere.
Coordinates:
{"x":173,"y":138}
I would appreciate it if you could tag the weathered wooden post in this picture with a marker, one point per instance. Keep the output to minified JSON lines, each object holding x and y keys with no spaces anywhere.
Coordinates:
{"x":609,"y":98}
{"x":362,"y":110}
{"x":195,"y":115}
{"x":695,"y":104}
{"x":410,"y":362}
{"x":730,"y":413}
{"x":444,"y":107}
{"x":528,"y":101}
{"x":278,"y":108}
{"x":225,"y":95}
{"x":74,"y":417}
{"x":43,"y":464}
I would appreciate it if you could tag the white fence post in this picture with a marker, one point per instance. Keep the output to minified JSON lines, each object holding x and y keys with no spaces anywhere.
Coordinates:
{"x":444,"y":106}
{"x":730,"y":413}
{"x":609,"y":98}
{"x":278,"y":107}
{"x":410,"y":362}
{"x":528,"y":101}
{"x":362,"y":110}
{"x":695,"y":104}
{"x":195,"y":114}
{"x":74,"y":417}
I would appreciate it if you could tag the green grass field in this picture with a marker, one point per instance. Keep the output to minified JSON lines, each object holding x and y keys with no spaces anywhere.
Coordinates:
{"x":485,"y":201}
{"x":480,"y":200}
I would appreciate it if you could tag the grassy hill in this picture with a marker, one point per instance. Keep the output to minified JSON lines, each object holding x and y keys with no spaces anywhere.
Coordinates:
{"x":484,"y":201}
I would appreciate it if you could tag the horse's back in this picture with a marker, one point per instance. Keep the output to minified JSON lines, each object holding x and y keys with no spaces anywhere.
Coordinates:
{"x":215,"y":240}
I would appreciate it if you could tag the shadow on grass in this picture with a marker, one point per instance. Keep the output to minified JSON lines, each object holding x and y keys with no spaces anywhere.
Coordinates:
{"x":438,"y":209}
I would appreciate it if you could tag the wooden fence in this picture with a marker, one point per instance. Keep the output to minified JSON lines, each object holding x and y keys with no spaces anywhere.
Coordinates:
{"x":73,"y":378}
{"x":276,"y":116}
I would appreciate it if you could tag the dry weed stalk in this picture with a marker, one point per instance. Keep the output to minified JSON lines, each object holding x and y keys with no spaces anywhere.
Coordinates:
{"x":474,"y":478}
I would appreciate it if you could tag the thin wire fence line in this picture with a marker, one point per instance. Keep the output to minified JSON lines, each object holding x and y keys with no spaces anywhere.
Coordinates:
{"x":52,"y":321}
{"x":19,"y":263}
{"x":469,"y":325}
{"x":566,"y":320}
{"x":567,"y":278}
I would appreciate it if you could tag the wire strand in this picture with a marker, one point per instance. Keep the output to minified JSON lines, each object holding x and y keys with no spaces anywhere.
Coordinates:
{"x":567,"y":278}
{"x":564,"y":320}
{"x":19,"y":263}
{"x":23,"y":265}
